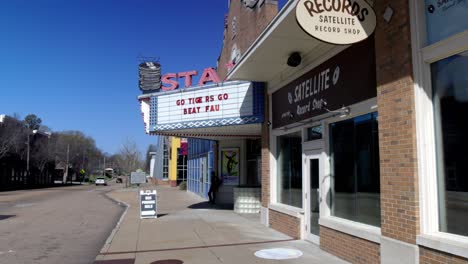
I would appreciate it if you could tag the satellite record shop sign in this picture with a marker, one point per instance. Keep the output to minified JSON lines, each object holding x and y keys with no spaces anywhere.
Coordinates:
{"x":336,"y":21}
{"x":148,"y":204}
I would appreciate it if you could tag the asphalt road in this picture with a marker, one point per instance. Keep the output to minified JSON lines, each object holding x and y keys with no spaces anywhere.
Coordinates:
{"x":56,"y":225}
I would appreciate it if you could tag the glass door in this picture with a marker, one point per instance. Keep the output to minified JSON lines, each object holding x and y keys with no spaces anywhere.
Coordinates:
{"x":312,"y":199}
{"x":203,"y":178}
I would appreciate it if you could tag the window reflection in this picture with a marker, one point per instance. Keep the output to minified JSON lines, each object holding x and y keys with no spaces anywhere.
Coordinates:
{"x":290,"y":169}
{"x":354,"y":148}
{"x":450,"y":86}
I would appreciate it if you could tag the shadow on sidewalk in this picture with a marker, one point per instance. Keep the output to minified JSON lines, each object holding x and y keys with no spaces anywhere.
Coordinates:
{"x":207,"y":205}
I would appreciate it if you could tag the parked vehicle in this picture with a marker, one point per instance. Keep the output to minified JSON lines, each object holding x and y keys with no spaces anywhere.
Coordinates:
{"x":101,"y":181}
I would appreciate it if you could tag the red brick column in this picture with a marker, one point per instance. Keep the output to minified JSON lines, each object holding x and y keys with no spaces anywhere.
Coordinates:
{"x":397,"y":125}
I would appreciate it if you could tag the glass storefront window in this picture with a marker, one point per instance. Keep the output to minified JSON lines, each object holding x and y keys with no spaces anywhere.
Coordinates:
{"x":354,"y":149}
{"x":165,"y":162}
{"x":289,"y":166}
{"x":254,"y":162}
{"x":445,"y":18}
{"x":450,"y":100}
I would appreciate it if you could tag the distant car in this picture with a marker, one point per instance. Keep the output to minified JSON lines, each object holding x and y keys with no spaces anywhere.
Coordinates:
{"x":100,"y":181}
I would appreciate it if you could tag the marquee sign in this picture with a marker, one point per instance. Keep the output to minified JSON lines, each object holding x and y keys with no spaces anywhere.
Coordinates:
{"x":170,"y":80}
{"x":347,"y":78}
{"x":336,"y":21}
{"x":207,"y":106}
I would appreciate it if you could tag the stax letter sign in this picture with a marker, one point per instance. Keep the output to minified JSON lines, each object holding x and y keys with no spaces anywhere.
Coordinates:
{"x":208,"y":75}
{"x":336,"y":21}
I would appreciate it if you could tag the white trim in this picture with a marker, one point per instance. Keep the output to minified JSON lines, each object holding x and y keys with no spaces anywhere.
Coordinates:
{"x":453,"y":244}
{"x":430,"y":236}
{"x":446,"y":48}
{"x":272,"y":139}
{"x":316,"y":152}
{"x":286,"y":209}
{"x":425,"y":136}
{"x":356,"y":229}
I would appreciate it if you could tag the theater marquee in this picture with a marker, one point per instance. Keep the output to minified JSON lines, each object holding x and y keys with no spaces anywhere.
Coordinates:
{"x":336,"y":21}
{"x":207,"y":106}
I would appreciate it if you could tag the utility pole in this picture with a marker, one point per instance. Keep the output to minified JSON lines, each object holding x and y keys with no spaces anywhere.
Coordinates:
{"x":65,"y":177}
{"x":27,"y":156}
{"x":104,"y":167}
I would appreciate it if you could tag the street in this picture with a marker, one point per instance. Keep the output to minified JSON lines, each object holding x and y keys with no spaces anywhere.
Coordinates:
{"x":56,"y":225}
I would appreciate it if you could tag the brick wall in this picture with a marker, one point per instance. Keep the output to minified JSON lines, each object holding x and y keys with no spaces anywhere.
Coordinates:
{"x":427,"y":255}
{"x":266,"y":156}
{"x":397,"y":127}
{"x":173,"y":183}
{"x":249,"y":24}
{"x":284,"y":223}
{"x":160,"y":182}
{"x":349,"y":248}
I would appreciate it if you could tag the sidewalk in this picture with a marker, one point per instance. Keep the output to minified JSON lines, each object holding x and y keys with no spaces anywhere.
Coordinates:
{"x":190,"y":231}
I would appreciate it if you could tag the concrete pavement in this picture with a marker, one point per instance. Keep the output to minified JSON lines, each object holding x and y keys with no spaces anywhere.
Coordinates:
{"x":190,"y":231}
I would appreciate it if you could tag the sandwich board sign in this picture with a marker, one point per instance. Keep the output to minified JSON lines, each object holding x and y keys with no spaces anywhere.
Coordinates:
{"x":148,"y":204}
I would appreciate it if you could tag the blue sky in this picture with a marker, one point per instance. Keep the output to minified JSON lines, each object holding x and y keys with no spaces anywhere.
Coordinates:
{"x":74,"y":63}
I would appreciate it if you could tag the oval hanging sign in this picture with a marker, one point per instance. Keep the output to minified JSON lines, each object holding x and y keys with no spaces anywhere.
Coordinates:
{"x":336,"y":21}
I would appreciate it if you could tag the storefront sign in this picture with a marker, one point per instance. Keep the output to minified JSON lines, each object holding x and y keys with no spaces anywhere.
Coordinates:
{"x":206,"y":106}
{"x":170,"y":80}
{"x":343,"y":80}
{"x":336,"y":21}
{"x":148,"y":204}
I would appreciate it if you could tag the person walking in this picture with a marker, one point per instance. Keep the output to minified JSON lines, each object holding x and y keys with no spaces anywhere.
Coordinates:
{"x":215,"y":182}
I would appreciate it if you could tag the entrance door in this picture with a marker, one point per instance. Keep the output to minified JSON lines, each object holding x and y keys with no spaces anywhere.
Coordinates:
{"x":203,"y":176}
{"x":313,"y":169}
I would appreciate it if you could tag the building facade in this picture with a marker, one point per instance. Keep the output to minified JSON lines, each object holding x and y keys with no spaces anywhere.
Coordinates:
{"x":169,"y":161}
{"x":361,"y":144}
{"x":230,"y":114}
{"x":358,"y":145}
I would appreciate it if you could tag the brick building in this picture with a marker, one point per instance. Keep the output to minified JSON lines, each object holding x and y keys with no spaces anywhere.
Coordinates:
{"x":362,"y":145}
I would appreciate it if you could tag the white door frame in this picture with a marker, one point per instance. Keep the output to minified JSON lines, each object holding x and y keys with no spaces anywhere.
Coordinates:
{"x":312,"y":150}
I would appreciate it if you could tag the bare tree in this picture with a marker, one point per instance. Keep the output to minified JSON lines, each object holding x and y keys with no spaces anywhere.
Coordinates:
{"x":13,"y":136}
{"x":77,"y":151}
{"x":42,"y":151}
{"x":130,"y":156}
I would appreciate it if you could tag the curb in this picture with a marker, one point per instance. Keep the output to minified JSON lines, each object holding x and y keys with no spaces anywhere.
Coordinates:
{"x":109,"y":239}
